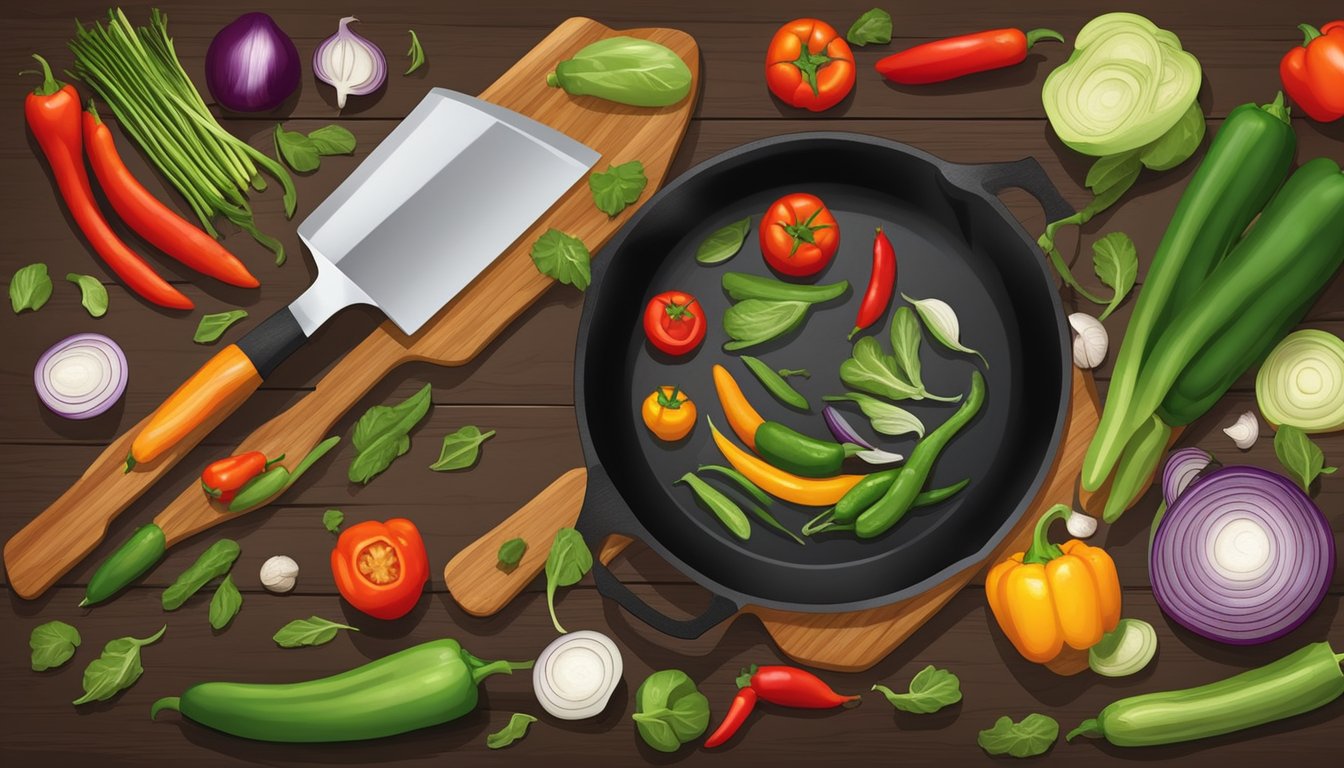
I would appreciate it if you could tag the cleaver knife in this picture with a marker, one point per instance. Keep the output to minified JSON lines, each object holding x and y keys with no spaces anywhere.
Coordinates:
{"x":426,"y":212}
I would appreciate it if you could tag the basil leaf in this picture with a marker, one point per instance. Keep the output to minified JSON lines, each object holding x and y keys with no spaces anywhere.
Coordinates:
{"x":213,"y":562}
{"x":1033,"y":736}
{"x":568,"y":561}
{"x":669,"y":710}
{"x":905,"y":345}
{"x":332,"y":519}
{"x":724,"y":242}
{"x":872,"y":27}
{"x":313,"y":630}
{"x":617,"y":187}
{"x":461,"y":449}
{"x":116,"y":669}
{"x":886,"y":418}
{"x":930,"y":690}
{"x":563,"y":257}
{"x":225,"y":604}
{"x":52,"y":644}
{"x":1300,"y":456}
{"x":1116,"y":262}
{"x":382,"y":434}
{"x":511,"y":553}
{"x":92,"y":294}
{"x":515,"y":730}
{"x":416,"y":53}
{"x":213,"y":326}
{"x":29,"y":288}
{"x":297,"y":150}
{"x":756,"y":321}
{"x":1112,"y":171}
{"x":1177,"y":144}
{"x":868,"y":369}
{"x":332,"y":140}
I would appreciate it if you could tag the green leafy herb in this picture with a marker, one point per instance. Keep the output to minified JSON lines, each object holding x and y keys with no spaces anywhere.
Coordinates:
{"x":29,"y":288}
{"x":225,"y":604}
{"x":461,"y":448}
{"x":383,"y":433}
{"x":617,"y":187}
{"x":896,"y":377}
{"x":1033,"y":736}
{"x":313,"y":630}
{"x":511,"y":553}
{"x":416,"y":53}
{"x":304,"y":153}
{"x":724,"y":242}
{"x":670,"y":710}
{"x":515,"y":730}
{"x":930,"y":690}
{"x":116,"y":669}
{"x":332,"y":519}
{"x":52,"y":644}
{"x":213,"y":563}
{"x":1303,"y":458}
{"x":872,"y":27}
{"x":213,"y":326}
{"x":332,"y":140}
{"x":756,"y":321}
{"x":568,"y":561}
{"x":92,"y":294}
{"x":1116,"y":263}
{"x":886,"y":418}
{"x":563,"y":257}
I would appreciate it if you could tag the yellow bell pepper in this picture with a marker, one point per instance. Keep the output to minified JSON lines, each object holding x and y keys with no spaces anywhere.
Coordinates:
{"x":1053,"y":595}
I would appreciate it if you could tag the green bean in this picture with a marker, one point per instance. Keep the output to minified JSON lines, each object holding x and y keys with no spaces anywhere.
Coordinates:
{"x":741,"y":286}
{"x":260,"y":489}
{"x":731,"y":515}
{"x":751,"y":488}
{"x":775,"y":384}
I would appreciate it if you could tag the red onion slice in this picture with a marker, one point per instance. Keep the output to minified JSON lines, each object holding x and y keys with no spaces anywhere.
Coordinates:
{"x":82,"y":376}
{"x":1182,"y":467}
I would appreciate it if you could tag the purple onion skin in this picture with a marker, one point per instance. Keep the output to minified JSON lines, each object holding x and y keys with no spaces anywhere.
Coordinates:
{"x":1180,"y":463}
{"x":841,"y":429}
{"x":252,"y":65}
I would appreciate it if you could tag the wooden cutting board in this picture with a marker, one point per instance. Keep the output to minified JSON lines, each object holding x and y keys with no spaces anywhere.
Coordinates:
{"x":56,"y":540}
{"x":844,"y":642}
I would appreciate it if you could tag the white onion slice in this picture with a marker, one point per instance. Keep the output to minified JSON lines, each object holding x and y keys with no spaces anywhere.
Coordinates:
{"x":576,"y":674}
{"x":82,"y":376}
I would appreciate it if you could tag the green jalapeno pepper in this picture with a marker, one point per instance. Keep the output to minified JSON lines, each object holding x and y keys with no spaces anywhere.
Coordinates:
{"x":792,"y":451}
{"x":263,"y":488}
{"x":129,"y":562}
{"x":828,"y":521}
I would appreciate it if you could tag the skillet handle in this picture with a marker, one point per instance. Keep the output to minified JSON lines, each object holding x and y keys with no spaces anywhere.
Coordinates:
{"x":604,"y":513}
{"x":1025,"y":174}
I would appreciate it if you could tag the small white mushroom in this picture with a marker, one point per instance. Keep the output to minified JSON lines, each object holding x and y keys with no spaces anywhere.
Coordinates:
{"x":1089,"y":340}
{"x":1080,"y":526}
{"x":1246,"y":431}
{"x":279,"y":573}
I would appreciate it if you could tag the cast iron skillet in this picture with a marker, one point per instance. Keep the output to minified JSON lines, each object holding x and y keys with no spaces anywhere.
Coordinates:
{"x":953,"y":240}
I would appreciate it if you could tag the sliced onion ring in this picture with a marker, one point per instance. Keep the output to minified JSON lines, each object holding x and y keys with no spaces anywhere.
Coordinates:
{"x":1301,"y":383}
{"x":576,"y":674}
{"x":1181,"y":469}
{"x":82,"y":376}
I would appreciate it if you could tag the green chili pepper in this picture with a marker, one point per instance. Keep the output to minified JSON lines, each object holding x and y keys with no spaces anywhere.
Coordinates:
{"x":1134,"y":472}
{"x":263,"y":488}
{"x":425,"y":685}
{"x":792,"y":451}
{"x":776,"y":385}
{"x":863,"y":495}
{"x":826,"y":522}
{"x":740,"y":286}
{"x":132,"y":559}
{"x":893,"y":505}
{"x":731,"y":515}
{"x":1299,"y":682}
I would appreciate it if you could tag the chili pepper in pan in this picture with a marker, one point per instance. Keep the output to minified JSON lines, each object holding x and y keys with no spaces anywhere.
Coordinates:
{"x":222,"y":479}
{"x":956,"y":57}
{"x":880,"y":284}
{"x":153,"y":220}
{"x":783,"y":447}
{"x":785,"y":686}
{"x":52,"y":110}
{"x":1313,"y":72}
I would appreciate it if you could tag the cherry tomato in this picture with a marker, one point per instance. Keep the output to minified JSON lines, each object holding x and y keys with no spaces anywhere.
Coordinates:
{"x":674,"y":322}
{"x":799,"y":235}
{"x":669,"y":413}
{"x":808,"y":65}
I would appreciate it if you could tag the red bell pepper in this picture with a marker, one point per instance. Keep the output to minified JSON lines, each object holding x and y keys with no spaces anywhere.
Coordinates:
{"x":1313,"y":72}
{"x":222,"y":479}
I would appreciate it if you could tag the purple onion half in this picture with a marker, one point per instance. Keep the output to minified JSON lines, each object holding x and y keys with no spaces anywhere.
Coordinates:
{"x":252,"y":65}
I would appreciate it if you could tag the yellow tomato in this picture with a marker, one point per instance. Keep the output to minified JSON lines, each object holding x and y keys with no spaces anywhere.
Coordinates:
{"x":669,"y":413}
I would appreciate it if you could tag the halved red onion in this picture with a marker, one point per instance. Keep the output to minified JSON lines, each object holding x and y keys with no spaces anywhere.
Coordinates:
{"x":844,"y":432}
{"x":1182,"y":467}
{"x":1242,"y":557}
{"x":82,"y":376}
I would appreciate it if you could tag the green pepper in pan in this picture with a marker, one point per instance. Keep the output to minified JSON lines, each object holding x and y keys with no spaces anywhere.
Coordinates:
{"x":805,"y":456}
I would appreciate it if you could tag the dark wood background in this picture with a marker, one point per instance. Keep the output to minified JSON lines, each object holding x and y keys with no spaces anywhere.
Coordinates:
{"x":522,"y":386}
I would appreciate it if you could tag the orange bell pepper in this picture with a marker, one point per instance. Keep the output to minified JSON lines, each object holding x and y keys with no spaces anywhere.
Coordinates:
{"x":1053,"y":595}
{"x":381,"y":568}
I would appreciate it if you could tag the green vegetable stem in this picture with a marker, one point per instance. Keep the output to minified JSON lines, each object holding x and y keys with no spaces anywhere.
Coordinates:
{"x":130,"y":561}
{"x":416,"y":53}
{"x":740,"y":286}
{"x":625,"y":70}
{"x":515,"y":730}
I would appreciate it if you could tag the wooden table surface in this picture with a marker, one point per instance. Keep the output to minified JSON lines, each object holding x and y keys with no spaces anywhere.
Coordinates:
{"x":522,"y":387}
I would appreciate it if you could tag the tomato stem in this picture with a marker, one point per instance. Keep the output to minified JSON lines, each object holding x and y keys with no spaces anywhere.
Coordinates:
{"x":808,"y":63}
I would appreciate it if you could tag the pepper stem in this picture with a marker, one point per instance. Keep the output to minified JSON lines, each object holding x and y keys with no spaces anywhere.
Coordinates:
{"x":1041,"y":549}
{"x":1309,"y":33}
{"x":167,"y":702}
{"x":481,"y":669}
{"x":1089,"y":728}
{"x":51,"y":85}
{"x":1277,"y":108}
{"x":1034,"y":36}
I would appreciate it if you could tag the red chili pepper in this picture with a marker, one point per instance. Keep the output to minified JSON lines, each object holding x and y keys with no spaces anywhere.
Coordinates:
{"x":880,"y":284}
{"x":793,"y":687}
{"x":743,"y":703}
{"x":222,"y":479}
{"x":958,"y":56}
{"x":52,"y":110}
{"x":153,"y":220}
{"x":1313,"y":72}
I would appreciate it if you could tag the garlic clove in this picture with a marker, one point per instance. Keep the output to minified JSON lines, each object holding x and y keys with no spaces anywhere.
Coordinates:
{"x":1245,"y":431}
{"x":1090,"y":340}
{"x":279,"y":573}
{"x":1080,"y":526}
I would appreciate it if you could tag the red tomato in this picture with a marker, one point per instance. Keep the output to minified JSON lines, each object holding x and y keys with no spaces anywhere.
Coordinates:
{"x":808,"y":65}
{"x":799,"y":235}
{"x":674,"y":322}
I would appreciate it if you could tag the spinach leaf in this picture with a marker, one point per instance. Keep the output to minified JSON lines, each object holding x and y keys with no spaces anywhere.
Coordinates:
{"x":1300,"y":456}
{"x":383,"y":433}
{"x":313,"y":630}
{"x":886,"y":418}
{"x":756,"y":321}
{"x":416,"y":52}
{"x":92,"y":294}
{"x":297,"y":151}
{"x":213,"y":326}
{"x":563,"y":257}
{"x":511,"y":553}
{"x":116,"y":669}
{"x":1033,"y":736}
{"x":895,"y":377}
{"x":29,"y":288}
{"x":461,"y":449}
{"x":930,"y":690}
{"x":1116,"y":262}
{"x":905,"y":338}
{"x":724,"y":242}
{"x":332,"y":140}
{"x":332,"y":519}
{"x":52,"y":644}
{"x":225,"y":604}
{"x":213,"y":562}
{"x":515,"y":730}
{"x":568,"y":561}
{"x":669,"y":710}
{"x":618,"y":186}
{"x":872,"y":27}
